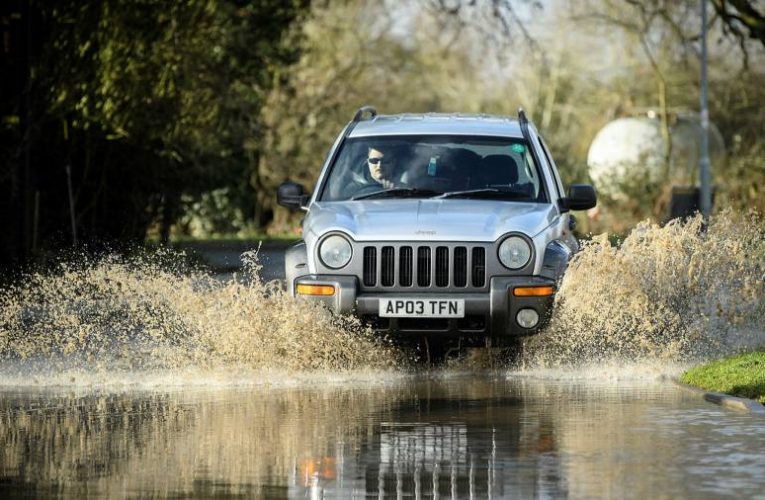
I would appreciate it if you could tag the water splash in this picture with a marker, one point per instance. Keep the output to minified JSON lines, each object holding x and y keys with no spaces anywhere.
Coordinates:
{"x":125,"y":315}
{"x":665,"y":296}
{"x":674,"y":293}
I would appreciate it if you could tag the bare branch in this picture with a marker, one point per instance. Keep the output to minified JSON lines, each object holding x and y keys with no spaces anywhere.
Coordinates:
{"x":741,"y":13}
{"x":502,"y":12}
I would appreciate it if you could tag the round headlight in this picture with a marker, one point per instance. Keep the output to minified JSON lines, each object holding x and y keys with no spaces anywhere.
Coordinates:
{"x":335,"y":252}
{"x":514,"y":252}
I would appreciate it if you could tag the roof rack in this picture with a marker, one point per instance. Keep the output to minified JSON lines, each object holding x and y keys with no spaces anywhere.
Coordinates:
{"x":364,"y":109}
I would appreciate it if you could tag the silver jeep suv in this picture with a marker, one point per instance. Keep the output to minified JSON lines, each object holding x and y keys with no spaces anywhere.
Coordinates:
{"x":443,"y":225}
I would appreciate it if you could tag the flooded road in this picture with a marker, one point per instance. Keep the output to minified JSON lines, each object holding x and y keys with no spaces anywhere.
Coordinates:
{"x":437,"y":435}
{"x":139,"y":377}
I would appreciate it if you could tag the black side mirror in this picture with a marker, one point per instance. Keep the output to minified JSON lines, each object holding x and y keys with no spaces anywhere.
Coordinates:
{"x":580,"y":197}
{"x":292,"y":195}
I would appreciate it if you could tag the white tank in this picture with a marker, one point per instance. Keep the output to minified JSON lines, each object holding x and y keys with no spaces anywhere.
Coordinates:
{"x":632,"y":150}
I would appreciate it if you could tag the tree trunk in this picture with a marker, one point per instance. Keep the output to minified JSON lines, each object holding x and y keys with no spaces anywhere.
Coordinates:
{"x":256,"y":182}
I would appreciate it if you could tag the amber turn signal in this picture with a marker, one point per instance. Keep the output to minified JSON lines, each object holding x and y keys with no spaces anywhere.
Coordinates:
{"x":315,"y":290}
{"x":533,"y":291}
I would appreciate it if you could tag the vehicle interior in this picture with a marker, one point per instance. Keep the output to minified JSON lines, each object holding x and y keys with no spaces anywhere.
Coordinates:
{"x":434,"y":166}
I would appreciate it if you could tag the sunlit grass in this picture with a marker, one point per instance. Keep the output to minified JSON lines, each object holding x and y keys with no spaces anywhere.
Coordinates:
{"x":741,"y":375}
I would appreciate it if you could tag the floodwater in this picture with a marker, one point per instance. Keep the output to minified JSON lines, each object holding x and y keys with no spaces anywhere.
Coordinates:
{"x":129,"y":377}
{"x":448,"y":434}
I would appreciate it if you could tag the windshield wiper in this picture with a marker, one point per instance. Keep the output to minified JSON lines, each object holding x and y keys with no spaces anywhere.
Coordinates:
{"x":398,"y":193}
{"x":487,"y":193}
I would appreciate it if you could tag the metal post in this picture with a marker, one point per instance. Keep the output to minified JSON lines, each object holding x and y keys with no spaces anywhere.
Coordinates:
{"x":704,"y":166}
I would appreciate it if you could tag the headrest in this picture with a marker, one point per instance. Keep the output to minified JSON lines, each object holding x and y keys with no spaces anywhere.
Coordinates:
{"x":500,"y":169}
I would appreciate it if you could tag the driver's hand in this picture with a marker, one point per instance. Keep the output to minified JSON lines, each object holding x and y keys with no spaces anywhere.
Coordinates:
{"x":386,"y":183}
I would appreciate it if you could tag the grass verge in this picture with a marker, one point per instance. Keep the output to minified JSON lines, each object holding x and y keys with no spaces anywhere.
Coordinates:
{"x":741,"y":375}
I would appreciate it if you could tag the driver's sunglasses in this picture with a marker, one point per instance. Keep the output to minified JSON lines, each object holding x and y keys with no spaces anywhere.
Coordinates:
{"x":374,"y":161}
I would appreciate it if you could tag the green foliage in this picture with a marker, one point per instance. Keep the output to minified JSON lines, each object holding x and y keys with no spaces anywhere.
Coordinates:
{"x":213,"y":214}
{"x":184,"y":79}
{"x":742,"y":375}
{"x":160,"y":101}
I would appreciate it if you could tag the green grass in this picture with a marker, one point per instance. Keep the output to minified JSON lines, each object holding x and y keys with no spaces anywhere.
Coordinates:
{"x":741,"y":375}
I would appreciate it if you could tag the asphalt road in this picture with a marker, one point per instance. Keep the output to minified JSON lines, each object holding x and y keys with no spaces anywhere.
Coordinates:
{"x":226,"y":258}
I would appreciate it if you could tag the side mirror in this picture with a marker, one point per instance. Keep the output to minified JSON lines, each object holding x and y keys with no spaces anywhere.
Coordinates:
{"x":292,"y":195}
{"x":580,"y":197}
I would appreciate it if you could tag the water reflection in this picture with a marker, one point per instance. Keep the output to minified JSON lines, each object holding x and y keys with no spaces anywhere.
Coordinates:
{"x":445,"y":437}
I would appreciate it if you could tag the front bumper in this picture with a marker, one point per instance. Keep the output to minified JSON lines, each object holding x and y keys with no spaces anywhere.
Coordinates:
{"x":489,"y":314}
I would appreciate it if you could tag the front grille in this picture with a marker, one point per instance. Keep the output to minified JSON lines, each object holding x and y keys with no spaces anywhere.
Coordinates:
{"x":387,"y":267}
{"x":405,"y":266}
{"x":424,"y":266}
{"x":460,"y":267}
{"x":370,"y":266}
{"x":442,"y":266}
{"x":479,"y":267}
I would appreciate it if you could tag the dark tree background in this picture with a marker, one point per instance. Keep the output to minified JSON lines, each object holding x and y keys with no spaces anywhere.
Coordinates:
{"x":180,"y":118}
{"x":144,"y":100}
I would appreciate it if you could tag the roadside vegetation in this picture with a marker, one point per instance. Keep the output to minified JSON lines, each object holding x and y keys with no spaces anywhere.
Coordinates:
{"x":741,"y":375}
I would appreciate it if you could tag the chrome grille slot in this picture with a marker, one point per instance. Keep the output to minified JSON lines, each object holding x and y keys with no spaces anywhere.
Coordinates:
{"x":423,"y":266}
{"x":370,"y":266}
{"x":387,"y":266}
{"x":460,"y":267}
{"x":405,"y":266}
{"x":442,"y":266}
{"x":478,"y":267}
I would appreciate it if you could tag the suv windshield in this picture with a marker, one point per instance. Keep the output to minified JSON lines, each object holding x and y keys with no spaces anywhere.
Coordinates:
{"x":429,"y":166}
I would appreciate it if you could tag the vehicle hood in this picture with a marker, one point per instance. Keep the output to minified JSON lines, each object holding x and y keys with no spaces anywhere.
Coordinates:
{"x":428,"y":219}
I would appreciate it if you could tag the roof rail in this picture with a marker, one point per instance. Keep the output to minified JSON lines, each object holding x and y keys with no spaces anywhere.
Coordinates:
{"x":522,"y":117}
{"x":364,"y":109}
{"x":523,"y":121}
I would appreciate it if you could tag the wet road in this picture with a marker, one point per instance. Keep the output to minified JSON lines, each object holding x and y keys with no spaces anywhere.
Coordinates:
{"x":226,"y":258}
{"x":413,"y":436}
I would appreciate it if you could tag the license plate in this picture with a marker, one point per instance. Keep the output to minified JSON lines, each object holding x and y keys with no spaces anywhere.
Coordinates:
{"x":422,"y":308}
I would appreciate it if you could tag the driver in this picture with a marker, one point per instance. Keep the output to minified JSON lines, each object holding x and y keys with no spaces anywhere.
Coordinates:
{"x":380,"y":168}
{"x":377,"y":172}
